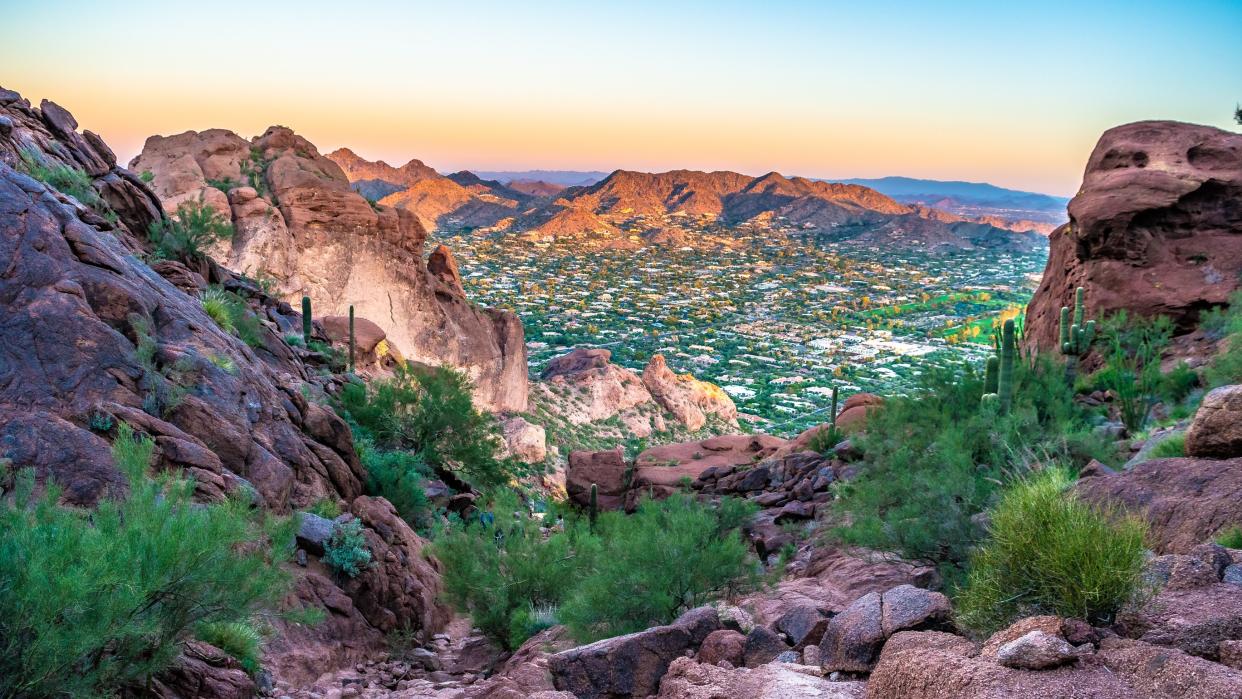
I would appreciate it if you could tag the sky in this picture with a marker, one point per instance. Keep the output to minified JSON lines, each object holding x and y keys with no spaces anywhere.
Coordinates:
{"x":1011,"y":93}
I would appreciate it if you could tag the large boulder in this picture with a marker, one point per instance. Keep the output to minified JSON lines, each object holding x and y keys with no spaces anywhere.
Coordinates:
{"x":662,"y":470}
{"x":854,"y":412}
{"x":1216,"y":431}
{"x":525,"y":674}
{"x":631,"y":665}
{"x":606,"y":470}
{"x":203,"y":671}
{"x":1186,"y":501}
{"x":687,"y":679}
{"x":305,"y":228}
{"x":1155,"y":229}
{"x":524,"y":441}
{"x":853,"y":639}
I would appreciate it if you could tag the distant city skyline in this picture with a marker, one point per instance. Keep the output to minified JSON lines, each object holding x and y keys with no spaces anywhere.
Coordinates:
{"x":1015,"y":94}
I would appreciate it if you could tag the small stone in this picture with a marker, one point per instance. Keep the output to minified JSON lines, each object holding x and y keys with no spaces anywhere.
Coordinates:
{"x":1233,"y":574}
{"x":789,"y":656}
{"x":1036,"y":651}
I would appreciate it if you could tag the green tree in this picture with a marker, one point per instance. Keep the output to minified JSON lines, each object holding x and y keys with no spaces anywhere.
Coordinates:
{"x":93,"y":601}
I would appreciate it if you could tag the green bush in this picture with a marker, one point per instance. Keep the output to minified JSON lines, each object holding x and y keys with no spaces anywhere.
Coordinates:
{"x":668,"y":557}
{"x":1226,"y":367}
{"x":1132,"y":349}
{"x":237,"y":638}
{"x":326,"y":508}
{"x":346,"y":551}
{"x":631,"y":573}
{"x":217,"y":304}
{"x":934,"y":459}
{"x":1048,"y":552}
{"x":93,"y":601}
{"x":194,"y":227}
{"x":1230,"y":538}
{"x":499,"y":570}
{"x":1169,"y":447}
{"x":430,"y":412}
{"x":399,"y":477}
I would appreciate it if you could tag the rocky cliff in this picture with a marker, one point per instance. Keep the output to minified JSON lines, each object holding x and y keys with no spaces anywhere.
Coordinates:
{"x":300,"y":224}
{"x":1155,"y":229}
{"x":93,"y":337}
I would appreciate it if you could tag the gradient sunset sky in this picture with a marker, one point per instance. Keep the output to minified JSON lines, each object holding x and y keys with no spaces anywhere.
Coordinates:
{"x":1011,"y":93}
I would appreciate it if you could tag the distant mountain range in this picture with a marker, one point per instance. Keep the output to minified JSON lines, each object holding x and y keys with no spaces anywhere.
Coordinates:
{"x":565,"y":178}
{"x":978,"y":200}
{"x":630,"y":209}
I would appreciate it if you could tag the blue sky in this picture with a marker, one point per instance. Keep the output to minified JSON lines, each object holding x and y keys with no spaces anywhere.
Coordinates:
{"x":1012,"y":93}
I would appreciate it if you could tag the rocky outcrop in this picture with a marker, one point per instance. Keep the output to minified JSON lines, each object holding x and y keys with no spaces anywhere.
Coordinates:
{"x":586,"y":387}
{"x":373,"y":353}
{"x":299,"y":223}
{"x":687,"y":398}
{"x":1154,"y":229}
{"x":1216,"y":431}
{"x":933,"y":665}
{"x":1186,"y":501}
{"x":661,"y":471}
{"x":203,"y":671}
{"x":606,"y":470}
{"x":523,"y":441}
{"x":95,"y":337}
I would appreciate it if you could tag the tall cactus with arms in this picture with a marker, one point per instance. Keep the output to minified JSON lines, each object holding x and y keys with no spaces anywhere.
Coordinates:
{"x":1076,"y":336}
{"x":999,"y":377}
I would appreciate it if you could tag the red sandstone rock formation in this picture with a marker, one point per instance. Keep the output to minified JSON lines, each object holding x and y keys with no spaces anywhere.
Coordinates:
{"x":1155,"y":229}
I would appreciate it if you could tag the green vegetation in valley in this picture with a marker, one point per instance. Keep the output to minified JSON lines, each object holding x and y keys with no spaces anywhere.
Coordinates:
{"x":626,"y":574}
{"x":94,"y":601}
{"x":1047,"y":552}
{"x":346,"y":551}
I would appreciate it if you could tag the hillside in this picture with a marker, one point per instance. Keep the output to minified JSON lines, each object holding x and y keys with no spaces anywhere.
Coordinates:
{"x":979,"y":201}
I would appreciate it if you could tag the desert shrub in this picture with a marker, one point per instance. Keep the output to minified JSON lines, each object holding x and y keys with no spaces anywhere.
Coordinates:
{"x":93,"y":601}
{"x":399,"y":477}
{"x":1169,"y":447}
{"x":1230,"y":538}
{"x":194,"y":227}
{"x":237,"y":638}
{"x":825,"y":439}
{"x":216,"y":304}
{"x":1048,"y":552}
{"x":668,"y":557}
{"x":1178,"y":384}
{"x":935,"y":459}
{"x":1226,"y":367}
{"x":326,"y":508}
{"x":146,"y":176}
{"x":346,"y":550}
{"x":498,"y":568}
{"x":64,"y":179}
{"x":224,"y":184}
{"x":630,"y":573}
{"x":430,"y":412}
{"x":1131,"y":351}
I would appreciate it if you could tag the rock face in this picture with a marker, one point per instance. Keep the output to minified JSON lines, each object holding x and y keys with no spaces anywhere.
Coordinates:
{"x":1186,"y":501}
{"x":76,"y":304}
{"x":687,"y":398}
{"x":1216,"y":432}
{"x":524,"y":441}
{"x":1154,"y":229}
{"x":606,"y":470}
{"x":299,"y":223}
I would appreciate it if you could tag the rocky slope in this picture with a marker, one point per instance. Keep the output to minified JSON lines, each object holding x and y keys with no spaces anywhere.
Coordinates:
{"x":1155,"y":229}
{"x":95,"y":337}
{"x":300,"y":224}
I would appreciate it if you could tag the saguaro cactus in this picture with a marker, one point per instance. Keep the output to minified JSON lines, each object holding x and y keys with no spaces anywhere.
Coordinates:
{"x":306,"y":320}
{"x":1077,"y":336}
{"x":1004,"y":374}
{"x":990,"y":376}
{"x":593,"y":512}
{"x":834,"y":407}
{"x":999,"y":376}
{"x":351,"y":339}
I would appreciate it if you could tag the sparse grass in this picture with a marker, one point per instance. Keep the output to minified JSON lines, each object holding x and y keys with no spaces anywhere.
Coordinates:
{"x":1230,"y":538}
{"x":194,"y":227}
{"x":1050,"y":553}
{"x":326,"y":508}
{"x":64,"y":179}
{"x":224,"y":184}
{"x":1169,"y":447}
{"x":237,"y":638}
{"x":216,"y":302}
